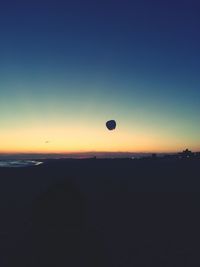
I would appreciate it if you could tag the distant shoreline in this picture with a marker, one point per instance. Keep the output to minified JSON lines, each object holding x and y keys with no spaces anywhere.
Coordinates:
{"x":36,"y":156}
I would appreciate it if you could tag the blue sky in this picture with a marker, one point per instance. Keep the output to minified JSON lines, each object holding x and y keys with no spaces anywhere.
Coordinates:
{"x":74,"y":64}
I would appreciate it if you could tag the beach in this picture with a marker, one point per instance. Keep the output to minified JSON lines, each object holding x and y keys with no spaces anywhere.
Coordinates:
{"x":93,"y":212}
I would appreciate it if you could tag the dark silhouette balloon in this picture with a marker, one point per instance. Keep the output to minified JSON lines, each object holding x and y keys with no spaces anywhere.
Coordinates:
{"x":111,"y":125}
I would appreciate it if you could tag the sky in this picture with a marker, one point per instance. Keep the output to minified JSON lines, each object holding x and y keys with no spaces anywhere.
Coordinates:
{"x":66,"y":67}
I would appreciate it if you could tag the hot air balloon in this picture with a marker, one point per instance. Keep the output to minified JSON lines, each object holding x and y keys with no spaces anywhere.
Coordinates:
{"x":111,"y":125}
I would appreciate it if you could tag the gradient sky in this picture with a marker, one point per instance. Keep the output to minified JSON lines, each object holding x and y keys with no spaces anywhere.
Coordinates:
{"x":67,"y":67}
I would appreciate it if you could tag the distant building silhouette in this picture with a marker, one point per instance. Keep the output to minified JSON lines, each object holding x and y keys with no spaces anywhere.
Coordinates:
{"x":186,"y":154}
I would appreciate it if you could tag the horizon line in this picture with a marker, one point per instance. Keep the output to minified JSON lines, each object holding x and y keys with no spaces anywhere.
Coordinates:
{"x":92,"y":152}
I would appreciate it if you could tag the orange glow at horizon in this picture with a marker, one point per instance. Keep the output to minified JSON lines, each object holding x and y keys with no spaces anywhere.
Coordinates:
{"x":81,"y":139}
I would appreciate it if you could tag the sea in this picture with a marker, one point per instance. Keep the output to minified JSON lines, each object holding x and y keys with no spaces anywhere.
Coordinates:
{"x":19,"y":163}
{"x":26,"y":160}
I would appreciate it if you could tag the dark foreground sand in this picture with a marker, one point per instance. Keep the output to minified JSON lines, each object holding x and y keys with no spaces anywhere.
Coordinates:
{"x":101,"y":213}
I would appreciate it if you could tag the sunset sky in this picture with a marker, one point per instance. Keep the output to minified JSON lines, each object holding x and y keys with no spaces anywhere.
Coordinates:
{"x":66,"y":67}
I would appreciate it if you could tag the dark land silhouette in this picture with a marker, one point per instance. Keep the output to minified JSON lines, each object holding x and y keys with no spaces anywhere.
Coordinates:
{"x":101,"y":212}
